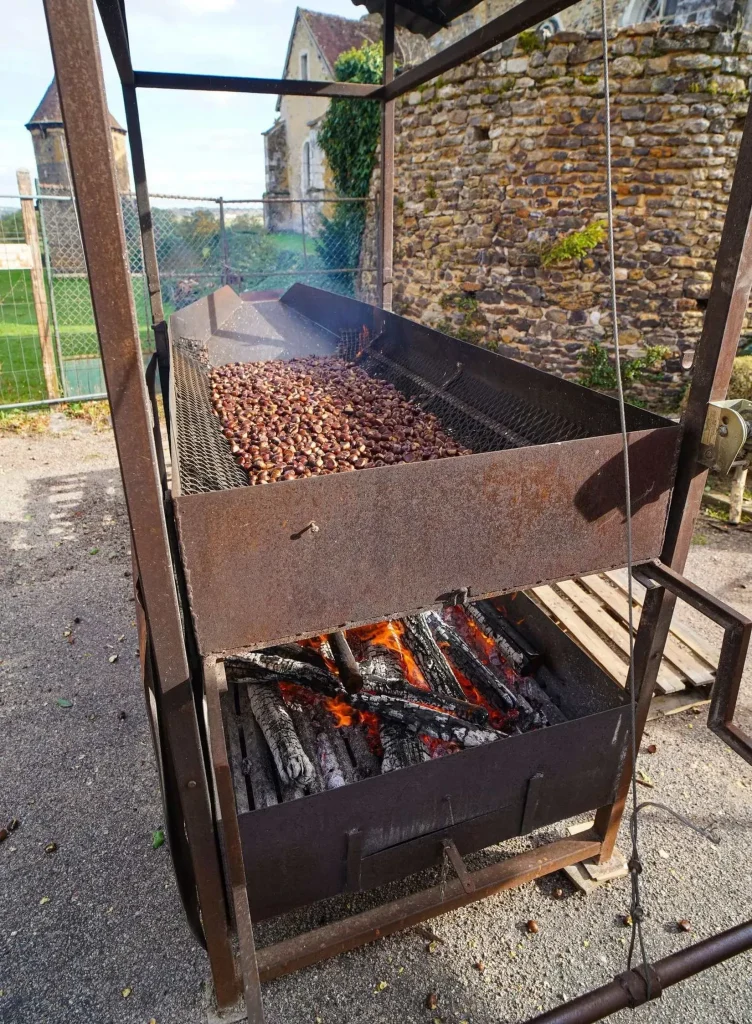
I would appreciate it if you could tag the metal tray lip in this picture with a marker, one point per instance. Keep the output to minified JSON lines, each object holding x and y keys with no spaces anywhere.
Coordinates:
{"x":573,"y":725}
{"x":632,"y":435}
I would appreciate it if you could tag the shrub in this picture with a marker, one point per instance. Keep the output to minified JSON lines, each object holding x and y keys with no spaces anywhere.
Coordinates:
{"x":575,"y":245}
{"x":741,"y":378}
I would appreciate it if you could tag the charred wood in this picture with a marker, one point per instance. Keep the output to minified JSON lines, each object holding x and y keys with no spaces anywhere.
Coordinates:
{"x":430,"y":657}
{"x":472,"y":667}
{"x":323,"y":726}
{"x":269,"y":709}
{"x":272,"y":668}
{"x":506,"y":634}
{"x":347,"y":666}
{"x":309,"y":742}
{"x":542,"y":703}
{"x":473,"y":713}
{"x":420,"y":718}
{"x":298,"y":652}
{"x":257,"y":764}
{"x":401,"y":748}
{"x":366,"y":762}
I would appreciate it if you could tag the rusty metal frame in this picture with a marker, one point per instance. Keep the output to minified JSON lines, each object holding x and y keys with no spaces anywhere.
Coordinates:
{"x":72,"y":33}
{"x":737,"y":630}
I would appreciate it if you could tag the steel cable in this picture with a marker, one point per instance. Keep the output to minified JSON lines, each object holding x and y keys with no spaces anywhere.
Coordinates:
{"x":635,"y":865}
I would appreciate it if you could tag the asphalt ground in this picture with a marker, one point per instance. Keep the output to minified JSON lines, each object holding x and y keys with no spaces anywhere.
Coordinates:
{"x":93,"y":930}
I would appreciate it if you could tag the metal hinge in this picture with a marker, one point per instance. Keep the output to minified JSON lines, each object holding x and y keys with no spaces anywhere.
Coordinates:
{"x":727,"y":435}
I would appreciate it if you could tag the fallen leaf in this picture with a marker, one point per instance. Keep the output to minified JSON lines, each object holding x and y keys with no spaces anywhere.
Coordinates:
{"x":125,"y":992}
{"x":432,"y":1001}
{"x":586,"y":943}
{"x":479,"y":966}
{"x":533,"y":926}
{"x":381,"y":986}
{"x":644,"y":779}
{"x":400,"y":970}
{"x":44,"y":899}
{"x":152,"y":1020}
{"x":66,"y":632}
{"x":432,"y":947}
{"x":94,"y":551}
{"x":157,"y":838}
{"x":627,"y":920}
{"x":2,"y":992}
{"x":63,"y":702}
{"x":684,"y":925}
{"x":50,"y":847}
{"x":113,"y":658}
{"x":651,"y":748}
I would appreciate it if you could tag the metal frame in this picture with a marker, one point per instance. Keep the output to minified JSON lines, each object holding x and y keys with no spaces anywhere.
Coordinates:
{"x":178,"y":685}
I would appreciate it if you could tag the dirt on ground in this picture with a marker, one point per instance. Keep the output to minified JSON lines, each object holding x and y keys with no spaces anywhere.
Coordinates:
{"x":91,"y":927}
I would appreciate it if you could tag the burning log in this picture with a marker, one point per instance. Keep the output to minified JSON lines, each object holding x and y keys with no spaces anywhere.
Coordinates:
{"x":269,"y":710}
{"x":522,"y":654}
{"x":331,"y":745}
{"x":473,"y":713}
{"x":298,"y":652}
{"x":271,"y":668}
{"x":257,"y":764}
{"x":365,"y":761}
{"x":430,"y":657}
{"x":401,"y":748}
{"x":334,"y":777}
{"x":419,"y":718}
{"x":347,"y":666}
{"x":472,"y":667}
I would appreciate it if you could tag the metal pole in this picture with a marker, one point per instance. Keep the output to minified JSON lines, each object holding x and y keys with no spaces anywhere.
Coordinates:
{"x":727,"y":303}
{"x":78,"y":72}
{"x":386,"y":204}
{"x":303,"y":233}
{"x":37,"y":284}
{"x":224,"y":277}
{"x":629,"y":990}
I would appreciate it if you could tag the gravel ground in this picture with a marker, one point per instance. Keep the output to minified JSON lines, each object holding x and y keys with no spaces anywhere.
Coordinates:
{"x":99,"y":916}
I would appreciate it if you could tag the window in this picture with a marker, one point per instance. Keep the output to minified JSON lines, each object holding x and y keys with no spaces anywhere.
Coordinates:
{"x":304,"y":66}
{"x":306,"y":166}
{"x":640,"y":11}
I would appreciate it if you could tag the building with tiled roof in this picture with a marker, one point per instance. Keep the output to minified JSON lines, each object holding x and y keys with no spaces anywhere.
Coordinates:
{"x":295,"y":165}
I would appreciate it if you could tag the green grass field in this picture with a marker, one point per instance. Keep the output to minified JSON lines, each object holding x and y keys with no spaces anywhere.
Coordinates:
{"x":21,"y":376}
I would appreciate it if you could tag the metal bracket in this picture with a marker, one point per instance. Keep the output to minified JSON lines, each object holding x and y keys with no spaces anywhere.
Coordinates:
{"x":736,"y":638}
{"x":727,"y":434}
{"x":450,"y":850}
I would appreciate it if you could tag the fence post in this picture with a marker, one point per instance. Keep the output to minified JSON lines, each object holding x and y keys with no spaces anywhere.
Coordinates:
{"x":223,"y":242}
{"x":23,"y":179}
{"x":302,"y":231}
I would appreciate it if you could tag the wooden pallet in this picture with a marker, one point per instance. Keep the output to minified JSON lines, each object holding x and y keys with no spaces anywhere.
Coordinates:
{"x":594,"y":611}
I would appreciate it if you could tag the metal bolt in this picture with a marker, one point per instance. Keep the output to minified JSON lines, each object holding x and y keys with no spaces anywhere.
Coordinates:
{"x":723,"y":431}
{"x":192,"y":784}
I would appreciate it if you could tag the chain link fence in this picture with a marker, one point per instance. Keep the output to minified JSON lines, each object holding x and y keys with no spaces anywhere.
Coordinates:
{"x":256,"y":246}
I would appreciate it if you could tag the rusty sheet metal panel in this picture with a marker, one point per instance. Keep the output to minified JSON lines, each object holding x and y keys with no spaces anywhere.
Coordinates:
{"x":400,"y":538}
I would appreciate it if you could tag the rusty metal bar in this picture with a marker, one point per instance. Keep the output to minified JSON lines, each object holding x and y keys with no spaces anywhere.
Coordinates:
{"x":333,"y":939}
{"x":112,"y":13}
{"x":268,"y":86}
{"x":232,"y":845}
{"x":386,"y":200}
{"x":75,"y":52}
{"x":524,"y":15}
{"x":727,"y":303}
{"x":629,"y":990}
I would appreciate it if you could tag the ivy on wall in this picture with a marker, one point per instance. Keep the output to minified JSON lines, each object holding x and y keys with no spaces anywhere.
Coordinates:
{"x":349,"y":135}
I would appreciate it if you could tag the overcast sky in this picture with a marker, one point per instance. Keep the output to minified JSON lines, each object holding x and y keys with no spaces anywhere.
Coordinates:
{"x":195,"y":143}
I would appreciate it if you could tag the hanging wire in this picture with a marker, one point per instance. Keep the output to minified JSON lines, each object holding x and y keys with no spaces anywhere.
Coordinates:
{"x":635,"y":866}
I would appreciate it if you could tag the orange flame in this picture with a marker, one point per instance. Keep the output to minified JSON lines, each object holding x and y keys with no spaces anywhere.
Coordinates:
{"x":389,"y":634}
{"x":340,"y":710}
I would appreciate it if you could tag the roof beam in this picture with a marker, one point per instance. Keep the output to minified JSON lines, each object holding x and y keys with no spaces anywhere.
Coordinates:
{"x":514,"y":21}
{"x":271,"y":86}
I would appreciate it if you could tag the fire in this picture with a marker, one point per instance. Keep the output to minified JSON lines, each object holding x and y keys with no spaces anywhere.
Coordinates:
{"x":389,"y":634}
{"x":340,"y":710}
{"x":439,"y":748}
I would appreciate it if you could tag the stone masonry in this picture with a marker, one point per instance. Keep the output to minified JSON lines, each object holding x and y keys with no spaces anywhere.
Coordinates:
{"x":505,"y":156}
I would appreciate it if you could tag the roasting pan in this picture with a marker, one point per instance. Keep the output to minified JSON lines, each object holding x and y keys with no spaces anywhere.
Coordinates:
{"x":542,"y":500}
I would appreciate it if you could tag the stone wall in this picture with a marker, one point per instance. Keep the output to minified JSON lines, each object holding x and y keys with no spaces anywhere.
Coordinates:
{"x":505,"y":156}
